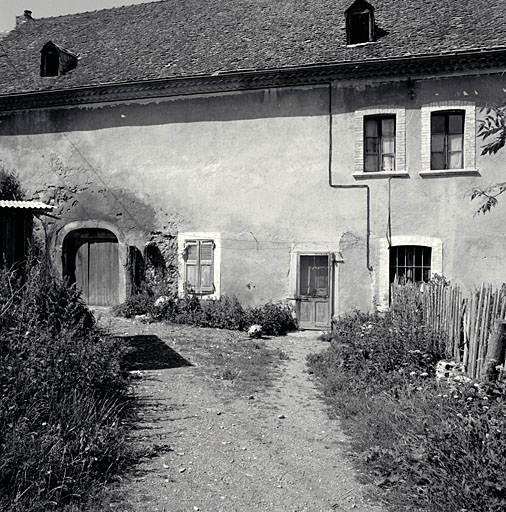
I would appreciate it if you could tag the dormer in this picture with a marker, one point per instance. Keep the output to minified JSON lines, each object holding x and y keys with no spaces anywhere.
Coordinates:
{"x":359,"y":23}
{"x":55,"y":60}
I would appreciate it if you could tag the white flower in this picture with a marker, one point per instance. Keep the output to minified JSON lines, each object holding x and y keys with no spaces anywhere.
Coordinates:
{"x":161,"y":301}
{"x":255,"y":331}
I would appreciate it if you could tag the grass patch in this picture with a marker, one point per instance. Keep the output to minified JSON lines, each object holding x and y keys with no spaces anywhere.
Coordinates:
{"x":247,"y":365}
{"x":425,"y":445}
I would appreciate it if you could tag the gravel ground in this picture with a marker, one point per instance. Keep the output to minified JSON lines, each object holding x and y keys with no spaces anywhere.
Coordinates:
{"x":210,"y":448}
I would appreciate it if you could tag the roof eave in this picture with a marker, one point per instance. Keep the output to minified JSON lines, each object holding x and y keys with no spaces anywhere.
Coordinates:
{"x":464,"y":62}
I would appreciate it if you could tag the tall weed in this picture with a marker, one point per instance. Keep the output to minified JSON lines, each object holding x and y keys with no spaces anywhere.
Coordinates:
{"x":62,"y":394}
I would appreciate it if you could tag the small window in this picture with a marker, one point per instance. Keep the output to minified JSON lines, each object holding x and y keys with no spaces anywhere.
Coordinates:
{"x":447,"y":140}
{"x":50,"y":64}
{"x":410,"y":263}
{"x":379,"y":143}
{"x":199,"y":267}
{"x":55,"y":60}
{"x":360,"y":23}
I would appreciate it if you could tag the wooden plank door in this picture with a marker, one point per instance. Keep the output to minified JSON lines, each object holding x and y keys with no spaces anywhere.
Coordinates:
{"x":103,"y":278}
{"x":314,"y":290}
{"x":91,"y":262}
{"x":81,"y":264}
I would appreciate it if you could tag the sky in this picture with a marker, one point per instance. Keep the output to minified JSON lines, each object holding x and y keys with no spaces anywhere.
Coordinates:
{"x":9,"y":9}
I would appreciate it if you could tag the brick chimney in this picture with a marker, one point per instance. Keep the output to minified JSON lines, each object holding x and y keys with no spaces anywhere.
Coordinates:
{"x":27,"y":15}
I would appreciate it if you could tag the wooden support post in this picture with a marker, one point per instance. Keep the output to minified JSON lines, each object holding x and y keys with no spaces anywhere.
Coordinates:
{"x":495,"y":350}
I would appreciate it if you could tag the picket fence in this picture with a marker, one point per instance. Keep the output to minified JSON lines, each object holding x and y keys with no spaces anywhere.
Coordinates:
{"x":466,"y":321}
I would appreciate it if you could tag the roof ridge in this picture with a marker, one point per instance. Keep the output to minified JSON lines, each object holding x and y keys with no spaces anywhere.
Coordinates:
{"x":82,"y":13}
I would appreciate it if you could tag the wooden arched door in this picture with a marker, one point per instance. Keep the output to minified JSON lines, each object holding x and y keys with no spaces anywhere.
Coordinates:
{"x":90,"y":260}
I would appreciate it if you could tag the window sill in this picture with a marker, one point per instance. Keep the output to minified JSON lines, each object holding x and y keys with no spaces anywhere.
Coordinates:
{"x":381,"y":174}
{"x":449,"y":172}
{"x":356,"y":45}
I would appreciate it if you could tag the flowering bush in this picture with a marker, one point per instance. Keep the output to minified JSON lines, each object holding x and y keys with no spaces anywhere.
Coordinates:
{"x":223,"y":313}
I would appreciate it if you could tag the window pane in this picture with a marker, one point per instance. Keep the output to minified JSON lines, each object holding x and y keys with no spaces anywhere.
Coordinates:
{"x":437,"y":161}
{"x":206,"y":279}
{"x":456,"y":123}
{"x":401,"y":256}
{"x":409,"y":265}
{"x":371,"y":127}
{"x":358,"y":28}
{"x":409,"y":256}
{"x":388,"y":163}
{"x":371,"y":145}
{"x":388,"y":145}
{"x":191,"y":277}
{"x":192,"y":252}
{"x":427,"y":256}
{"x":437,"y":123}
{"x":371,"y":163}
{"x":437,"y":143}
{"x":388,"y":127}
{"x":313,"y":276}
{"x":455,"y":161}
{"x":454,"y":143}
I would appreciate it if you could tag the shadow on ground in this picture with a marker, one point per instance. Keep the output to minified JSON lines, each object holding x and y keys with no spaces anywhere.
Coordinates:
{"x":149,"y":352}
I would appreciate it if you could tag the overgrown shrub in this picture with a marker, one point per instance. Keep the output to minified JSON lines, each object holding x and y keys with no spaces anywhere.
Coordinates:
{"x":62,"y":395}
{"x":137,"y":304}
{"x":10,"y":188}
{"x":276,"y":319}
{"x":430,"y":446}
{"x":223,"y":313}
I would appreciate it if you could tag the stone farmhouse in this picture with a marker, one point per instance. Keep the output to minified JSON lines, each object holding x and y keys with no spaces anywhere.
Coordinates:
{"x":302,"y":150}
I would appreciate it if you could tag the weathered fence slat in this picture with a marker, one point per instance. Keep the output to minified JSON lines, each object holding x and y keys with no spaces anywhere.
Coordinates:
{"x":466,"y":322}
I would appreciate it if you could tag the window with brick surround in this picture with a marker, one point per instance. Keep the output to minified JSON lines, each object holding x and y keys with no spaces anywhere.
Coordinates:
{"x":447,"y":139}
{"x":379,"y":143}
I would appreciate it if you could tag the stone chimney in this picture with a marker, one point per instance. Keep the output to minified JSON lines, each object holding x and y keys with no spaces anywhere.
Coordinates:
{"x":27,"y":15}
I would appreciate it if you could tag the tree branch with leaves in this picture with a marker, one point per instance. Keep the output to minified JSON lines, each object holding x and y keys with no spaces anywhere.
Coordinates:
{"x":492,"y":130}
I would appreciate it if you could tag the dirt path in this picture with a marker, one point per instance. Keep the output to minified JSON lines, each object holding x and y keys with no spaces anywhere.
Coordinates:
{"x":215,"y":451}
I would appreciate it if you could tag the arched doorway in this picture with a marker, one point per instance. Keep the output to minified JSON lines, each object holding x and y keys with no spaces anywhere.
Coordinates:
{"x":91,"y":261}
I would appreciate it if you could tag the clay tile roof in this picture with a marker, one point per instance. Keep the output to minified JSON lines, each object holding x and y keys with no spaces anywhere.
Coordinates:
{"x":26,"y":205}
{"x":182,"y":38}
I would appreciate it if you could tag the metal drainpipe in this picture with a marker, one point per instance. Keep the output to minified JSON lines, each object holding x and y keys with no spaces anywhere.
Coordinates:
{"x":366,"y":187}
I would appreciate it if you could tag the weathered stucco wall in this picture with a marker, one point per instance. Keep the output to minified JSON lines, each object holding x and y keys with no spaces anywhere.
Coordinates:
{"x":253,"y":166}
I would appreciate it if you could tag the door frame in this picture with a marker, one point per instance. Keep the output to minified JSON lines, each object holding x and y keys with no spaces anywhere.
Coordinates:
{"x":94,"y":224}
{"x":331,"y":276}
